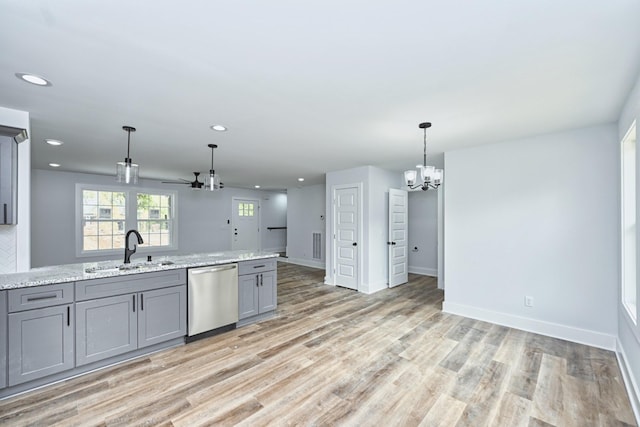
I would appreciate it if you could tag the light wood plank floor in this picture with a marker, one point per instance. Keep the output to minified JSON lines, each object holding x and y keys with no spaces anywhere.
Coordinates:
{"x":336,"y":357}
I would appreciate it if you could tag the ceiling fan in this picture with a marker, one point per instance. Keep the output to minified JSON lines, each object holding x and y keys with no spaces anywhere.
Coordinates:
{"x":214,"y":179}
{"x":196,"y":184}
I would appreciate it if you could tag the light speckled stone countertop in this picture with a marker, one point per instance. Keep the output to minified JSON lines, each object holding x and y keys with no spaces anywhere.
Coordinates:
{"x":76,"y":272}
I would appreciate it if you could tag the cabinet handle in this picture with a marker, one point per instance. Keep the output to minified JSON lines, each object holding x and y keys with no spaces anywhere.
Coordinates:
{"x":134,"y":303}
{"x":5,"y":213}
{"x":259,"y":266}
{"x":257,"y":281}
{"x":30,"y":299}
{"x":141,"y":302}
{"x":68,"y":316}
{"x":261,"y":280}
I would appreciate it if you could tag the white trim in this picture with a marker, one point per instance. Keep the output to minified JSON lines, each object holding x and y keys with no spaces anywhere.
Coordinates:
{"x":280,"y":249}
{"x":372,"y":288}
{"x":304,"y":262}
{"x":629,"y":381}
{"x":432,"y":272}
{"x":555,"y":330}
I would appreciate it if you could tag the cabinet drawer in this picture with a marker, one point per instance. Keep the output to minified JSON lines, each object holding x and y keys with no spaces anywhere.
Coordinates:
{"x":119,"y":285}
{"x":40,"y":296}
{"x":257,"y":266}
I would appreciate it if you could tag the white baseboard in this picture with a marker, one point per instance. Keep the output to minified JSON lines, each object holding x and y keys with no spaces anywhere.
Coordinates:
{"x":433,"y":272}
{"x":305,"y":262}
{"x":555,"y":330}
{"x":629,"y":381}
{"x":372,"y":288}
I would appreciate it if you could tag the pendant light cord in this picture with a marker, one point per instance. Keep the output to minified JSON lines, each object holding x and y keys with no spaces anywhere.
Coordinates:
{"x":424,"y":159}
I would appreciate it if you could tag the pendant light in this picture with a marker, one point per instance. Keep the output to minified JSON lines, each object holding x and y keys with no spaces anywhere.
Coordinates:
{"x":214,"y":180}
{"x":430,"y":176}
{"x":127,"y":171}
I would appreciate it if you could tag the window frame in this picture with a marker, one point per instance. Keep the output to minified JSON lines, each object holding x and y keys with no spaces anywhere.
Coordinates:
{"x":131,"y":218}
{"x":631,"y":313}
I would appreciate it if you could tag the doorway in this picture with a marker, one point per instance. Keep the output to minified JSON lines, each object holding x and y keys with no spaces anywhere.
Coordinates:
{"x":398,"y":237}
{"x":245,"y":227}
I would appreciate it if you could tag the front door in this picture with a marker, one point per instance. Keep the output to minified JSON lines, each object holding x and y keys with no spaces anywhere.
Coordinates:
{"x":398,"y":243}
{"x":346,"y":216}
{"x":245,"y":230}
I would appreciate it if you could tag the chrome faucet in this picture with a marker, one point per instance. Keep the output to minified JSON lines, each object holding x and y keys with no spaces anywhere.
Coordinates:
{"x":128,"y":252}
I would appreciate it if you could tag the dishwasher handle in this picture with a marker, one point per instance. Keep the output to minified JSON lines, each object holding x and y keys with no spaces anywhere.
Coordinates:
{"x":214,"y":269}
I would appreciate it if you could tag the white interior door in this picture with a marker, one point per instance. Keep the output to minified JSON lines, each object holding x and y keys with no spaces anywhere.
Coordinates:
{"x":398,"y":237}
{"x":245,"y":230}
{"x":346,"y":201}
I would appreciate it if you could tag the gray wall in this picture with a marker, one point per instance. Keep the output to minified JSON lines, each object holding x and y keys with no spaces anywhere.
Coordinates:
{"x":202,"y":217}
{"x":536,"y":217}
{"x":305,"y":215}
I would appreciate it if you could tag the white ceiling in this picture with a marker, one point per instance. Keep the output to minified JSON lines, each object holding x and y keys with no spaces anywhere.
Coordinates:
{"x":307,"y":87}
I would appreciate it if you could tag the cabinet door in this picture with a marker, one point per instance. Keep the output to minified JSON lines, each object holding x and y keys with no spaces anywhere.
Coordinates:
{"x":267,"y":292}
{"x":105,"y":327}
{"x":248,"y":295}
{"x":40,"y":343}
{"x":3,"y":342}
{"x":162,"y":315}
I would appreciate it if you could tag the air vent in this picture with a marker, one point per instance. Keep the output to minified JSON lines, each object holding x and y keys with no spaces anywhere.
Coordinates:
{"x":317,"y":245}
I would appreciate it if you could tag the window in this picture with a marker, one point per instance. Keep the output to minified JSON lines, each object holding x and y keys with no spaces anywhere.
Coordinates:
{"x":105,"y":214}
{"x":629,"y":282}
{"x":155,"y":218}
{"x":245,"y":209}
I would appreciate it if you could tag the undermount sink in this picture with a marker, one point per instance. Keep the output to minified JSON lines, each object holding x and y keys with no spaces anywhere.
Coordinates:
{"x":126,"y":267}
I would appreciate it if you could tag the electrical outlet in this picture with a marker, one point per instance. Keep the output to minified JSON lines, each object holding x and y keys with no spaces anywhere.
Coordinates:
{"x":528,"y":301}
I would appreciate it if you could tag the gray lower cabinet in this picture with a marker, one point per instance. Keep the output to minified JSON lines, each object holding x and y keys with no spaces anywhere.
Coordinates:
{"x":257,"y":288}
{"x":162,"y":315}
{"x":111,"y":326}
{"x":105,"y":327}
{"x":3,"y":341}
{"x":40,"y":343}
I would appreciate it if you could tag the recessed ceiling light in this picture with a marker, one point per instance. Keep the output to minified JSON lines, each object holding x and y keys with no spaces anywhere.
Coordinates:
{"x":33,"y":79}
{"x":218,"y":128}
{"x":300,"y":179}
{"x":256,"y":186}
{"x":54,"y":142}
{"x":54,"y":165}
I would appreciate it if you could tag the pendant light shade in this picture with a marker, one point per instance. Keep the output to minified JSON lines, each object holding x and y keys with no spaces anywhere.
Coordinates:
{"x":214,"y":179}
{"x":127,"y":171}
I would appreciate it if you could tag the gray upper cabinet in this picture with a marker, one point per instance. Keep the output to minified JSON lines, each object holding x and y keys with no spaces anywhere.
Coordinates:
{"x":3,"y":342}
{"x":40,"y":343}
{"x":105,"y":327}
{"x":9,"y":137}
{"x":162,"y":315}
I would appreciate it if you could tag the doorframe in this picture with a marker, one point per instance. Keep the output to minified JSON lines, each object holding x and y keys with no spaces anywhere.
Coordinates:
{"x":360,"y":269}
{"x":233,"y":218}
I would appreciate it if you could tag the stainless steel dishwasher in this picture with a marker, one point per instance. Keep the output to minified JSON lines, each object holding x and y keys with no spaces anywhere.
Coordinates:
{"x":212,"y":298}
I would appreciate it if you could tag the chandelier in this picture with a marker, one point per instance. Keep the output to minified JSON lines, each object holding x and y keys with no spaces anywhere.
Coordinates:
{"x":429,"y":175}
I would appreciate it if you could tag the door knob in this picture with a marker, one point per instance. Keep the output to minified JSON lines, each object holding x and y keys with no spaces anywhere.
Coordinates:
{"x":393,"y":243}
{"x":354,"y":244}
